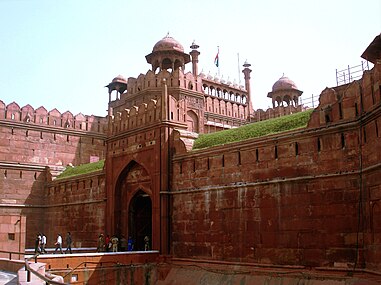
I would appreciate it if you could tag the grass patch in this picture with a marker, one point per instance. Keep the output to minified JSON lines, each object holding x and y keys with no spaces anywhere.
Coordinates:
{"x":82,"y":169}
{"x":262,"y":128}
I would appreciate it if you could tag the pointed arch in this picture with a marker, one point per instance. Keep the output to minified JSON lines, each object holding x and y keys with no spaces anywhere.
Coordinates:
{"x":133,"y":200}
{"x":192,"y":121}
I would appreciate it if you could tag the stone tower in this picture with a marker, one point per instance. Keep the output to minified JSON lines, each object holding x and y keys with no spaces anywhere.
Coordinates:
{"x":139,"y":148}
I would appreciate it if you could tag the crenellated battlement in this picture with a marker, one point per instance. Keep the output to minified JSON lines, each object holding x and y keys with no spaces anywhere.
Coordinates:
{"x":147,"y":114}
{"x":270,"y":113}
{"x":53,"y":118}
{"x":136,"y":116}
{"x":151,"y":81}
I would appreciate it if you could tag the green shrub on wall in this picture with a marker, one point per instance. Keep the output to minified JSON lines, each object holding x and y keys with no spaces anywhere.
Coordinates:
{"x":258,"y":129}
{"x":81,"y":169}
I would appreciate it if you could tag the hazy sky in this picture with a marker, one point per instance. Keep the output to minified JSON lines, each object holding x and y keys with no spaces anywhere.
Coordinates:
{"x":61,"y":53}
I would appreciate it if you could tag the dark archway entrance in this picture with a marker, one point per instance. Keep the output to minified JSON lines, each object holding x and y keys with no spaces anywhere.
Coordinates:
{"x":133,"y":205}
{"x":140,"y":219}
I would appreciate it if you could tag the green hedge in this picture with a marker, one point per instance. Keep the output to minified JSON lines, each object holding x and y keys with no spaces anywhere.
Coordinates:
{"x":253,"y":130}
{"x":82,"y":169}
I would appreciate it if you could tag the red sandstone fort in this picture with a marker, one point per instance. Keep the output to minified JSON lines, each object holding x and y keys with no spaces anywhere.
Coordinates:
{"x":305,"y":200}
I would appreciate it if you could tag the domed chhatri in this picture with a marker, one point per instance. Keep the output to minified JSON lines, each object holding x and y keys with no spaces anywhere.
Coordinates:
{"x":120,"y":79}
{"x":166,"y":44}
{"x":119,"y":83}
{"x":284,"y":91}
{"x":167,"y":54}
{"x":284,"y":83}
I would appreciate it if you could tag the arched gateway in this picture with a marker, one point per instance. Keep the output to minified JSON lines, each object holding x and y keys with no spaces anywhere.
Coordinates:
{"x":140,"y":219}
{"x":133,"y":204}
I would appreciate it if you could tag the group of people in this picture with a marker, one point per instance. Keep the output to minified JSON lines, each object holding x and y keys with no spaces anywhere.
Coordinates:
{"x":104,"y":244}
{"x":111,"y":244}
{"x":40,"y":243}
{"x":115,"y":244}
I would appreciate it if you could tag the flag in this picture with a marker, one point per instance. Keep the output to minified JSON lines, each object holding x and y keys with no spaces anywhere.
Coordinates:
{"x":216,"y":59}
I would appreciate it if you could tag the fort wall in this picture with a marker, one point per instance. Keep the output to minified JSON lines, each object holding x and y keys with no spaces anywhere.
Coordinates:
{"x":35,"y":146}
{"x":78,"y":206}
{"x":306,"y":197}
{"x":49,"y":138}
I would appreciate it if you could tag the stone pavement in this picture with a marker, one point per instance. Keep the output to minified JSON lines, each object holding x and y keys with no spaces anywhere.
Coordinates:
{"x":8,"y":278}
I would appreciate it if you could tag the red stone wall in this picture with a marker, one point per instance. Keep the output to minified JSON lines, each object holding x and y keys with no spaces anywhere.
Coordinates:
{"x":289,"y":210}
{"x":12,"y":233}
{"x":21,"y":192}
{"x":76,"y":205}
{"x":49,"y":138}
{"x":105,"y":269}
{"x":307,"y":197}
{"x":34,"y":146}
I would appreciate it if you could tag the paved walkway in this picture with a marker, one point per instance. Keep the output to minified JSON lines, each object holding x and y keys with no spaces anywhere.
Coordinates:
{"x":8,"y":278}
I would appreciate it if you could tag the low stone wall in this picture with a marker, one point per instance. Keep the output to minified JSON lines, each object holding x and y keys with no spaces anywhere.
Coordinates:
{"x":11,"y":265}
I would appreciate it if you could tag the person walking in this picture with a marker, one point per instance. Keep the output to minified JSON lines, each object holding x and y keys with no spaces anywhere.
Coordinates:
{"x":37,"y":244}
{"x":108,"y":243}
{"x":68,"y":242}
{"x":130,"y":244}
{"x":101,"y":243}
{"x":43,"y":243}
{"x":58,"y":244}
{"x":123,"y":243}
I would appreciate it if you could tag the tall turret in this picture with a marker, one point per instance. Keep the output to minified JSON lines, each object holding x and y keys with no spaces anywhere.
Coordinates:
{"x":194,"y":53}
{"x":246,"y":71}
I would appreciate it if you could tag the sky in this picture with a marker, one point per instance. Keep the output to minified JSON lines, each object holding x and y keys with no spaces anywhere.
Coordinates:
{"x":61,"y":53}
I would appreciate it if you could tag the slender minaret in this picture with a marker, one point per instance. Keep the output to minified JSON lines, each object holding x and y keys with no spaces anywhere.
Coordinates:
{"x":194,"y":53}
{"x":246,"y":71}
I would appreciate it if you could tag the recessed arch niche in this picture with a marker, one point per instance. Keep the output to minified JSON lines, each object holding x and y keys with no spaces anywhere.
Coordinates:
{"x":133,"y":204}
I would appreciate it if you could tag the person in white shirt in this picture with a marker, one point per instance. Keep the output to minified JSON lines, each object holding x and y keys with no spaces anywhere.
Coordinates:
{"x":43,"y":243}
{"x":58,"y":243}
